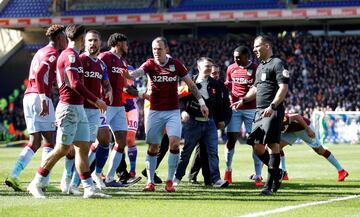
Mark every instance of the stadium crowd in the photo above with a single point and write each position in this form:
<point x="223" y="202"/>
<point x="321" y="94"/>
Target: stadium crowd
<point x="325" y="66"/>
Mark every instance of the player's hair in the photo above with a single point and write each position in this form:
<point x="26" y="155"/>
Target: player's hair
<point x="243" y="50"/>
<point x="93" y="31"/>
<point x="115" y="38"/>
<point x="201" y="59"/>
<point x="266" y="39"/>
<point x="74" y="31"/>
<point x="163" y="39"/>
<point x="54" y="30"/>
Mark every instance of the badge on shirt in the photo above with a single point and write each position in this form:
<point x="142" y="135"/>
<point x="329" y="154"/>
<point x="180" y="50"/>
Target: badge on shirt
<point x="172" y="68"/>
<point x="263" y="76"/>
<point x="249" y="72"/>
<point x="52" y="58"/>
<point x="72" y="58"/>
<point x="286" y="73"/>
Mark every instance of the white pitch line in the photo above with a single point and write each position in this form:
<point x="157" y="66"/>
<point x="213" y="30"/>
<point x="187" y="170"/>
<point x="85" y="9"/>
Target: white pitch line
<point x="287" y="208"/>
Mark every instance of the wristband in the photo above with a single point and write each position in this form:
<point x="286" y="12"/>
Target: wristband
<point x="42" y="96"/>
<point x="201" y="102"/>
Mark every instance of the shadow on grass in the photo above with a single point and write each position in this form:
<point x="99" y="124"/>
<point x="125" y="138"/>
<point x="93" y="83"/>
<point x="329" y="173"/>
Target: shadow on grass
<point x="238" y="191"/>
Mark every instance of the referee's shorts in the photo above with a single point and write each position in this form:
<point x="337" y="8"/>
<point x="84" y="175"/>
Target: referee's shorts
<point x="266" y="130"/>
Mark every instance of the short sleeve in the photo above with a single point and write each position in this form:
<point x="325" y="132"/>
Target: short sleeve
<point x="282" y="74"/>
<point x="146" y="66"/>
<point x="181" y="69"/>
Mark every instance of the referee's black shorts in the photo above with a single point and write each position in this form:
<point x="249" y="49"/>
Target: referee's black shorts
<point x="266" y="130"/>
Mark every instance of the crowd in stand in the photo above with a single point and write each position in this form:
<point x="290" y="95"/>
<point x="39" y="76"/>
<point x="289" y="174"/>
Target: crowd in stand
<point x="324" y="70"/>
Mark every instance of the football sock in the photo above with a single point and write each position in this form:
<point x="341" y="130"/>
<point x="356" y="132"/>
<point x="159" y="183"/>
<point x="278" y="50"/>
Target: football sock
<point x="132" y="153"/>
<point x="75" y="180"/>
<point x="86" y="179"/>
<point x="102" y="153"/>
<point x="282" y="159"/>
<point x="47" y="148"/>
<point x="331" y="158"/>
<point x="257" y="165"/>
<point x="115" y="158"/>
<point x="228" y="157"/>
<point x="25" y="156"/>
<point x="172" y="164"/>
<point x="265" y="158"/>
<point x="273" y="170"/>
<point x="69" y="165"/>
<point x="92" y="153"/>
<point x="41" y="175"/>
<point x="150" y="163"/>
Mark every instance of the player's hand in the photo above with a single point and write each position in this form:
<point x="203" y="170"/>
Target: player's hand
<point x="185" y="116"/>
<point x="205" y="111"/>
<point x="101" y="105"/>
<point x="221" y="125"/>
<point x="109" y="96"/>
<point x="146" y="96"/>
<point x="310" y="132"/>
<point x="236" y="105"/>
<point x="268" y="112"/>
<point x="44" y="108"/>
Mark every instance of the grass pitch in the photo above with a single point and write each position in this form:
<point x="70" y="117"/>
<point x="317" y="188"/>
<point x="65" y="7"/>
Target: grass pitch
<point x="312" y="179"/>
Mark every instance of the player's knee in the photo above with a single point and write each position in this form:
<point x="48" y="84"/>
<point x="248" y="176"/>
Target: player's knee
<point x="33" y="146"/>
<point x="153" y="149"/>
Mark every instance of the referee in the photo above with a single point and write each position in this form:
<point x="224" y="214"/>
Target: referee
<point x="271" y="86"/>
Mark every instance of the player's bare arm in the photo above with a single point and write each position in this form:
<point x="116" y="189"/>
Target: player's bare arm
<point x="134" y="73"/>
<point x="299" y="119"/>
<point x="195" y="91"/>
<point x="250" y="95"/>
<point x="108" y="90"/>
<point x="279" y="97"/>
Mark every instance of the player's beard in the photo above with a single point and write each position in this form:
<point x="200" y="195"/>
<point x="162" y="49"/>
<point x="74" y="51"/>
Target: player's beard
<point x="93" y="51"/>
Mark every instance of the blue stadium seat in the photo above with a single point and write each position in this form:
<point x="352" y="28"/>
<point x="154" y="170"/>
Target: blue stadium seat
<point x="27" y="8"/>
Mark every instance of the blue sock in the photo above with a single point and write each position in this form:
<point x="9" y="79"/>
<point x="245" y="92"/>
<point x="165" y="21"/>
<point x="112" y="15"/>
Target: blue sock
<point x="172" y="164"/>
<point x="115" y="159"/>
<point x="75" y="181"/>
<point x="132" y="153"/>
<point x="23" y="160"/>
<point x="102" y="153"/>
<point x="257" y="165"/>
<point x="150" y="163"/>
<point x="334" y="162"/>
<point x="91" y="156"/>
<point x="69" y="166"/>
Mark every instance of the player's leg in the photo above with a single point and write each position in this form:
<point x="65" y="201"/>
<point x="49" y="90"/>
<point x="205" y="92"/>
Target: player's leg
<point x="173" y="129"/>
<point x="155" y="126"/>
<point x="69" y="168"/>
<point x="118" y="125"/>
<point x="101" y="155"/>
<point x="283" y="159"/>
<point x="314" y="143"/>
<point x="93" y="116"/>
<point x="233" y="133"/>
<point x="133" y="118"/>
<point x="248" y="117"/>
<point x="23" y="160"/>
<point x="39" y="181"/>
<point x="35" y="125"/>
